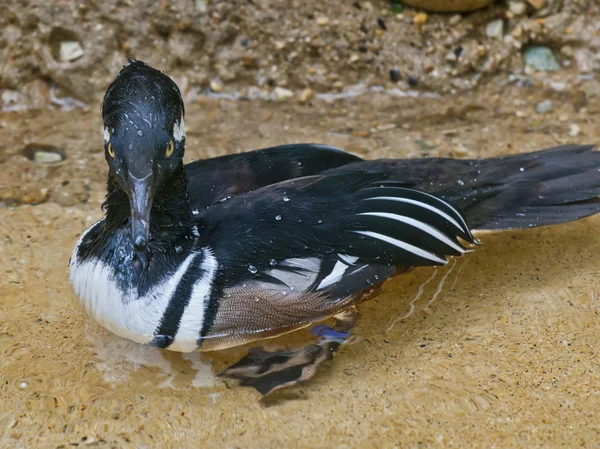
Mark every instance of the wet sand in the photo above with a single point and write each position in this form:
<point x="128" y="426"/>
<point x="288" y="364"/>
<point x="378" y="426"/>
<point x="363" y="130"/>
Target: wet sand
<point x="498" y="349"/>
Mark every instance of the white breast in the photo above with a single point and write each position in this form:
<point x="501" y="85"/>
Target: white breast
<point x="136" y="317"/>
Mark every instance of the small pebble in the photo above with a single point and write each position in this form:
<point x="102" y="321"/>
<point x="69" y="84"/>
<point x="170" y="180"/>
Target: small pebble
<point x="455" y="19"/>
<point x="305" y="95"/>
<point x="420" y="18"/>
<point x="70" y="51"/>
<point x="574" y="130"/>
<point x="282" y="93"/>
<point x="47" y="157"/>
<point x="322" y="21"/>
<point x="541" y="58"/>
<point x="543" y="107"/>
<point x="395" y="75"/>
<point x="201" y="5"/>
<point x="537" y="4"/>
<point x="517" y="8"/>
<point x="397" y="7"/>
<point x="495" y="29"/>
<point x="216" y="85"/>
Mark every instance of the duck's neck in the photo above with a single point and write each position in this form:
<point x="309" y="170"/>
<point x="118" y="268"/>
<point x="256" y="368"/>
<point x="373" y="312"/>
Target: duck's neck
<point x="170" y="215"/>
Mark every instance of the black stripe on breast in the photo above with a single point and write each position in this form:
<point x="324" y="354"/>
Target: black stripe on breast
<point x="212" y="308"/>
<point x="165" y="333"/>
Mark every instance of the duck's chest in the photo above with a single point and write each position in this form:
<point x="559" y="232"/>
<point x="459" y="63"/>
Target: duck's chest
<point x="163" y="305"/>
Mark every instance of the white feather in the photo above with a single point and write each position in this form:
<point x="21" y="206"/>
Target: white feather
<point x="419" y="225"/>
<point x="339" y="269"/>
<point x="441" y="213"/>
<point x="179" y="130"/>
<point x="403" y="245"/>
<point x="106" y="134"/>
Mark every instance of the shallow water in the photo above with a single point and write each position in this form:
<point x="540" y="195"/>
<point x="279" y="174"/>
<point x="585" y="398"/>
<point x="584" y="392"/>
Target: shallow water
<point x="499" y="348"/>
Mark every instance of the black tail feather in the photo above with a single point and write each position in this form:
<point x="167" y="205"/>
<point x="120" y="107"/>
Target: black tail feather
<point x="547" y="187"/>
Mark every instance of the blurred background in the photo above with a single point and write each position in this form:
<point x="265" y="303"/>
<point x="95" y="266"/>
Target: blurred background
<point x="296" y="48"/>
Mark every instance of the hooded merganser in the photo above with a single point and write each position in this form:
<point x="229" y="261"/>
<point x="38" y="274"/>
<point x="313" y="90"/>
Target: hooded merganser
<point x="221" y="252"/>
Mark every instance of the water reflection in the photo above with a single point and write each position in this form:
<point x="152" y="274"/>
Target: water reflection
<point x="118" y="359"/>
<point x="445" y="272"/>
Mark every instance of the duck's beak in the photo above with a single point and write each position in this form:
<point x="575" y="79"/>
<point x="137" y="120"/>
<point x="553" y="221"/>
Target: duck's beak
<point x="140" y="200"/>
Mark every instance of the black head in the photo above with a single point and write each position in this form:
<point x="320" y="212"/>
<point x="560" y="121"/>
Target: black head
<point x="144" y="138"/>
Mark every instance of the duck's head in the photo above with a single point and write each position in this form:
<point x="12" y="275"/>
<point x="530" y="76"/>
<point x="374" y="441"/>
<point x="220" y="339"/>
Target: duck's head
<point x="144" y="138"/>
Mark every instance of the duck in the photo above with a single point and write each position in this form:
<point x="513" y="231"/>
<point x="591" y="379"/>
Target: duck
<point x="227" y="251"/>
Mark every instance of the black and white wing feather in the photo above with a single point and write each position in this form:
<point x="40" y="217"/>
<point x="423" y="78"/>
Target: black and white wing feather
<point x="300" y="250"/>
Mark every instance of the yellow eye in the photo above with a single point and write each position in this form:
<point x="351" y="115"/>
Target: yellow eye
<point x="170" y="148"/>
<point x="111" y="152"/>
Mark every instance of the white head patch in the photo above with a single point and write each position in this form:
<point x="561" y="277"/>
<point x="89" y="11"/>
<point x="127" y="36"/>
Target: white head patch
<point x="179" y="130"/>
<point x="106" y="133"/>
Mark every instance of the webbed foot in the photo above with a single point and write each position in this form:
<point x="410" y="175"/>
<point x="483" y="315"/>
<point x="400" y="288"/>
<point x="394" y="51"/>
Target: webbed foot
<point x="270" y="371"/>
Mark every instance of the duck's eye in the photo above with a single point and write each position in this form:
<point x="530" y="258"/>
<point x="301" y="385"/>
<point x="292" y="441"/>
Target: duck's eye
<point x="111" y="152"/>
<point x="170" y="148"/>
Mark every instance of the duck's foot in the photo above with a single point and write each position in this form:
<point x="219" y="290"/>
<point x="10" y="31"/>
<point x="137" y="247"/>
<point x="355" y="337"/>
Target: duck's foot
<point x="269" y="371"/>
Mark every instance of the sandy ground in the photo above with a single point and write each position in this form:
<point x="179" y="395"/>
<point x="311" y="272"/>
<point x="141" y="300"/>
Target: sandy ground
<point x="498" y="349"/>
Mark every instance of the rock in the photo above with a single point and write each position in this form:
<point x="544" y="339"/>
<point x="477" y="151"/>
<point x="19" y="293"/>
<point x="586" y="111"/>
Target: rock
<point x="305" y="95"/>
<point x="541" y="58"/>
<point x="574" y="130"/>
<point x="495" y="29"/>
<point x="201" y="5"/>
<point x="395" y="75"/>
<point x="584" y="60"/>
<point x="455" y="19"/>
<point x="517" y="8"/>
<point x="322" y="21"/>
<point x="216" y="85"/>
<point x="550" y="7"/>
<point x="13" y="100"/>
<point x="420" y="18"/>
<point x="450" y="57"/>
<point x="448" y="5"/>
<point x="282" y="94"/>
<point x="47" y="157"/>
<point x="543" y="107"/>
<point x="397" y="7"/>
<point x="537" y="4"/>
<point x="70" y="51"/>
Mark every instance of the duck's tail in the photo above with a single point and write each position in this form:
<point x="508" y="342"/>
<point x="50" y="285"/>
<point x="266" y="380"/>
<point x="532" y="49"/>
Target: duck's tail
<point x="547" y="187"/>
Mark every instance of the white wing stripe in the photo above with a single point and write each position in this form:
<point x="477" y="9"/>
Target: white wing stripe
<point x="336" y="274"/>
<point x="460" y="216"/>
<point x="349" y="260"/>
<point x="339" y="269"/>
<point x="403" y="245"/>
<point x="420" y="225"/>
<point x="441" y="213"/>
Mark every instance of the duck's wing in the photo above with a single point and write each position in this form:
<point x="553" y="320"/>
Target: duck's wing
<point x="211" y="180"/>
<point x="299" y="251"/>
